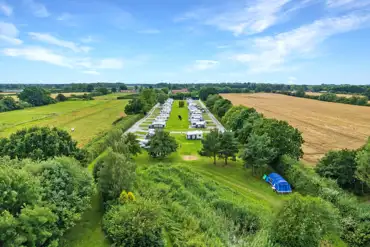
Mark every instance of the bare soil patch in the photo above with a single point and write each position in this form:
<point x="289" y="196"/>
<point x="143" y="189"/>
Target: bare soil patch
<point x="189" y="157"/>
<point x="325" y="126"/>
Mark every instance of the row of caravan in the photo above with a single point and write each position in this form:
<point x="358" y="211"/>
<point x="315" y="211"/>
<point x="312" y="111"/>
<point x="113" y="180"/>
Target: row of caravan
<point x="160" y="121"/>
<point x="196" y="115"/>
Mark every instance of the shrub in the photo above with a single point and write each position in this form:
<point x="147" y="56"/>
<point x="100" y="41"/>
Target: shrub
<point x="118" y="173"/>
<point x="131" y="196"/>
<point x="36" y="96"/>
<point x="123" y="197"/>
<point x="61" y="97"/>
<point x="304" y="221"/>
<point x="41" y="143"/>
<point x="134" y="224"/>
<point x="181" y="103"/>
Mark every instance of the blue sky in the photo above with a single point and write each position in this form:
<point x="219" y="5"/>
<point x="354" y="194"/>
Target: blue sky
<point x="137" y="41"/>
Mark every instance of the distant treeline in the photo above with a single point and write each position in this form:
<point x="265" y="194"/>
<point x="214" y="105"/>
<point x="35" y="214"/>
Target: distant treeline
<point x="65" y="88"/>
<point x="235" y="87"/>
<point x="331" y="97"/>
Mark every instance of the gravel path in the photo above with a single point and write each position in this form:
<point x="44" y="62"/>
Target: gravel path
<point x="136" y="126"/>
<point x="220" y="127"/>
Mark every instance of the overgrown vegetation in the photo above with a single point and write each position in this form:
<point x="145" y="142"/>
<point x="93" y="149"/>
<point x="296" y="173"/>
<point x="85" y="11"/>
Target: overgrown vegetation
<point x="40" y="201"/>
<point x="40" y="143"/>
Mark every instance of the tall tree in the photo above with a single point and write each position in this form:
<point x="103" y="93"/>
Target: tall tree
<point x="258" y="152"/>
<point x="162" y="144"/>
<point x="134" y="106"/>
<point x="340" y="166"/>
<point x="228" y="146"/>
<point x="90" y="88"/>
<point x="285" y="139"/>
<point x="36" y="96"/>
<point x="114" y="90"/>
<point x="162" y="97"/>
<point x="117" y="173"/>
<point x="211" y="145"/>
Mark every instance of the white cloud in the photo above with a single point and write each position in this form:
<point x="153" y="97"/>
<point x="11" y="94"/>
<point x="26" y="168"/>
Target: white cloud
<point x="47" y="38"/>
<point x="149" y="31"/>
<point x="247" y="18"/>
<point x="91" y="72"/>
<point x="110" y="63"/>
<point x="6" y="9"/>
<point x="38" y="54"/>
<point x="272" y="52"/>
<point x="204" y="64"/>
<point x="38" y="9"/>
<point x="64" y="17"/>
<point x="9" y="33"/>
<point x="347" y="4"/>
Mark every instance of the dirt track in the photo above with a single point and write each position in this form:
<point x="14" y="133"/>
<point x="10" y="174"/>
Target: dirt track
<point x="324" y="125"/>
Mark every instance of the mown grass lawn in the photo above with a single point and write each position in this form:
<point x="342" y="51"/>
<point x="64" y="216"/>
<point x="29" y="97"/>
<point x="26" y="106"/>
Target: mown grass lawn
<point x="173" y="122"/>
<point x="89" y="118"/>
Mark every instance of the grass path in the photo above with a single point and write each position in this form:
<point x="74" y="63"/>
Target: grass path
<point x="173" y="122"/>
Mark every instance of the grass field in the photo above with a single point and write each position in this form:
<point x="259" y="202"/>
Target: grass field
<point x="173" y="122"/>
<point x="325" y="125"/>
<point x="89" y="118"/>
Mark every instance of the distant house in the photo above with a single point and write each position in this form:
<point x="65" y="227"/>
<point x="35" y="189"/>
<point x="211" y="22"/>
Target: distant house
<point x="128" y="91"/>
<point x="184" y="90"/>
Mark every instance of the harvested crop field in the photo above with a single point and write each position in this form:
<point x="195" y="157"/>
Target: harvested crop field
<point x="324" y="125"/>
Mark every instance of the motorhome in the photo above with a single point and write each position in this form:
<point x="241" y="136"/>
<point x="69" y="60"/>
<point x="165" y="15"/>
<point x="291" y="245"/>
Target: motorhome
<point x="157" y="125"/>
<point x="198" y="124"/>
<point x="194" y="135"/>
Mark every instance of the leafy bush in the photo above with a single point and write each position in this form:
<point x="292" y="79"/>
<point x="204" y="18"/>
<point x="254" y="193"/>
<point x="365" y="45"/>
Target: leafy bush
<point x="40" y="143"/>
<point x="67" y="189"/>
<point x="304" y="221"/>
<point x="117" y="173"/>
<point x="61" y="97"/>
<point x="181" y="103"/>
<point x="134" y="224"/>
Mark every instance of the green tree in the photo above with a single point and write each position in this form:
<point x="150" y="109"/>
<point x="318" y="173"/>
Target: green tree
<point x="134" y="224"/>
<point x="128" y="144"/>
<point x="204" y="92"/>
<point x="228" y="146"/>
<point x="162" y="144"/>
<point x="113" y="90"/>
<point x="149" y="97"/>
<point x="165" y="90"/>
<point x="162" y="97"/>
<point x="117" y="173"/>
<point x="221" y="106"/>
<point x="36" y="96"/>
<point x="90" y="88"/>
<point x="253" y="121"/>
<point x="61" y="97"/>
<point x="181" y="103"/>
<point x="103" y="90"/>
<point x="211" y="100"/>
<point x="18" y="188"/>
<point x="8" y="104"/>
<point x="300" y="93"/>
<point x="258" y="152"/>
<point x="363" y="166"/>
<point x="231" y="116"/>
<point x="123" y="87"/>
<point x="285" y="139"/>
<point x="210" y="145"/>
<point x="135" y="106"/>
<point x="67" y="189"/>
<point x="340" y="166"/>
<point x="41" y="143"/>
<point x="304" y="221"/>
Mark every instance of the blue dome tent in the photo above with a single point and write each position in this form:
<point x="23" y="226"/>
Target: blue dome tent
<point x="280" y="184"/>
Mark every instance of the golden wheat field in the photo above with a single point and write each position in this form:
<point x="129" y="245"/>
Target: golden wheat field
<point x="324" y="125"/>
